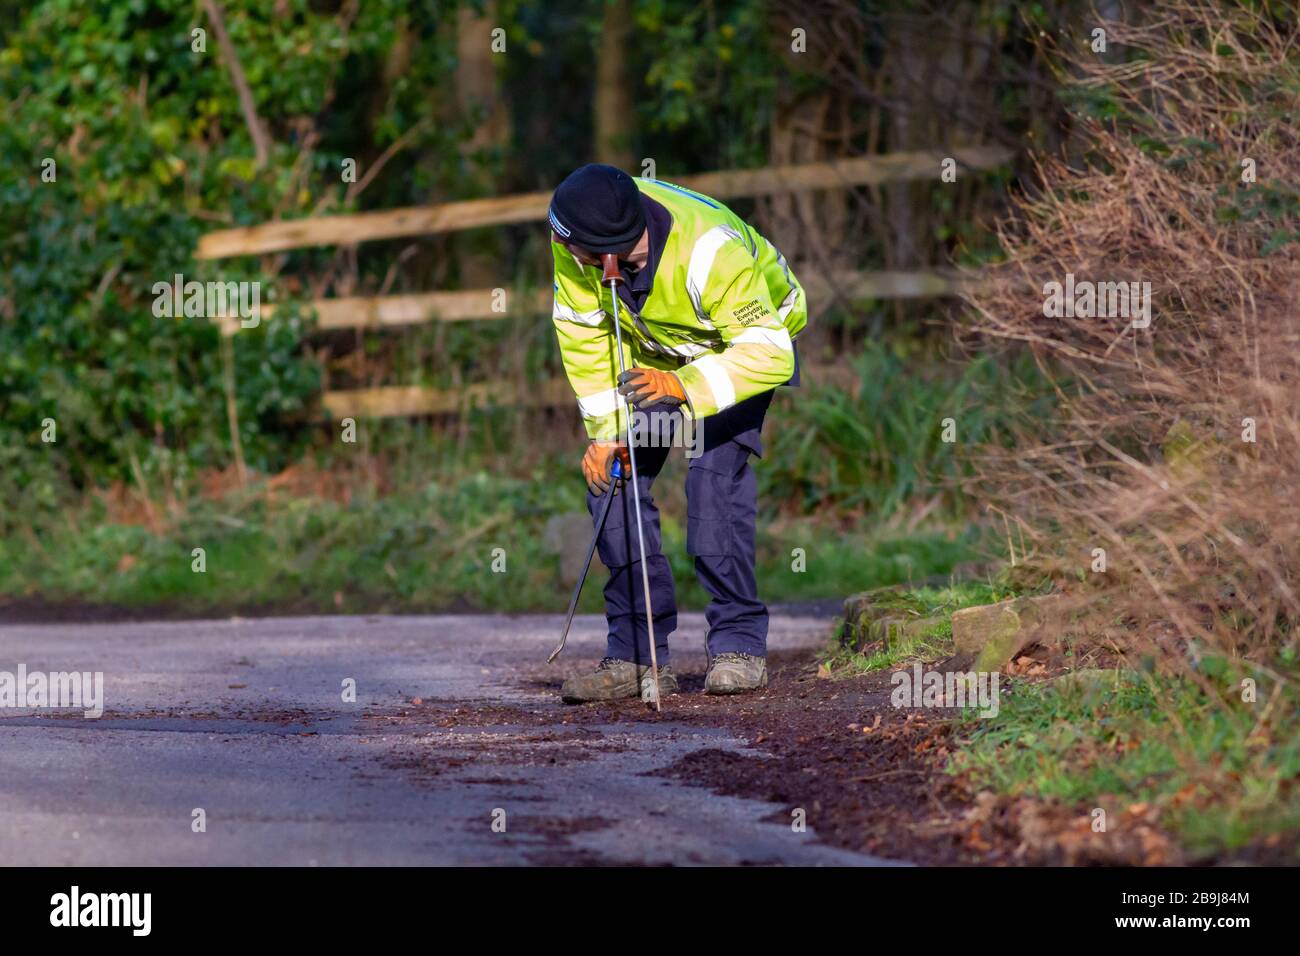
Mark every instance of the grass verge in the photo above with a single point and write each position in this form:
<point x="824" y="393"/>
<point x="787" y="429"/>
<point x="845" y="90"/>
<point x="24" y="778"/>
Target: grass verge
<point x="1218" y="779"/>
<point x="1210" y="755"/>
<point x="478" y="542"/>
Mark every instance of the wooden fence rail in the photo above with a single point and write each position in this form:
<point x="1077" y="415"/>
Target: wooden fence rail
<point x="389" y="401"/>
<point x="531" y="207"/>
<point x="392" y="401"/>
<point x="396" y="311"/>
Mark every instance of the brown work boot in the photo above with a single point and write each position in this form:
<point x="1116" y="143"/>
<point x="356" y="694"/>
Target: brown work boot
<point x="615" y="679"/>
<point x="734" y="673"/>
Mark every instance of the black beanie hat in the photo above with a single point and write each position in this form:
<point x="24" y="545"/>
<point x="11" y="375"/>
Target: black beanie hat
<point x="598" y="208"/>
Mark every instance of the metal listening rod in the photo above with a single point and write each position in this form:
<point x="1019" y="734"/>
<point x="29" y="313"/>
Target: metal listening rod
<point x="612" y="278"/>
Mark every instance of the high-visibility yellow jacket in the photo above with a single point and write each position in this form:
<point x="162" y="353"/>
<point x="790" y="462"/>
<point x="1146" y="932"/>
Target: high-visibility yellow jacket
<point x="722" y="313"/>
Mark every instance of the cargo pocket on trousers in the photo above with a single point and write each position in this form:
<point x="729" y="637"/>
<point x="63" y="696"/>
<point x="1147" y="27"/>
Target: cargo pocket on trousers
<point x="710" y="485"/>
<point x="615" y="545"/>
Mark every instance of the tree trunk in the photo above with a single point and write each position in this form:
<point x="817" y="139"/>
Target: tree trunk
<point x="478" y="97"/>
<point x="613" y="117"/>
<point x="477" y="88"/>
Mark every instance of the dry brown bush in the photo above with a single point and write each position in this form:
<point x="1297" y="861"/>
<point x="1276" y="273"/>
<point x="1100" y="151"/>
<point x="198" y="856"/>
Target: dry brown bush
<point x="1146" y="457"/>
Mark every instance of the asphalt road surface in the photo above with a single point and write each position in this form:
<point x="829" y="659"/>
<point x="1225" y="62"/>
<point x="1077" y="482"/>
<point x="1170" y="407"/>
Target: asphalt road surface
<point x="242" y="726"/>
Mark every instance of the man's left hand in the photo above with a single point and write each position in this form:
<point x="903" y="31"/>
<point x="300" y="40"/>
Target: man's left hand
<point x="644" y="387"/>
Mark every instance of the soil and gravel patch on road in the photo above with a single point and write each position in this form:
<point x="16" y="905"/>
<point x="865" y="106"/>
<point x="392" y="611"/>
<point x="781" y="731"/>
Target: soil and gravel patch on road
<point x="868" y="777"/>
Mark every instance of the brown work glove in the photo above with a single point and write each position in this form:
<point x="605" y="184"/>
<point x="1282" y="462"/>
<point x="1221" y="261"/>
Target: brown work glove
<point x="597" y="461"/>
<point x="644" y="387"/>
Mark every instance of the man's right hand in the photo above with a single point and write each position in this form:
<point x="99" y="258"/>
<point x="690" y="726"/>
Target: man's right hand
<point x="598" y="460"/>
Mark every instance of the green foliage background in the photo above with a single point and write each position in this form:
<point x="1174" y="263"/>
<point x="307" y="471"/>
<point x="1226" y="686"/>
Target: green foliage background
<point x="151" y="149"/>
